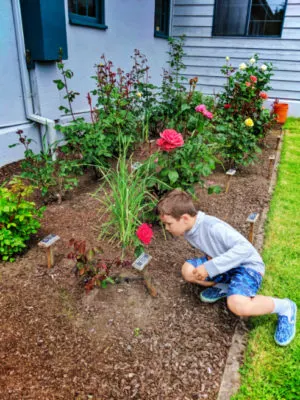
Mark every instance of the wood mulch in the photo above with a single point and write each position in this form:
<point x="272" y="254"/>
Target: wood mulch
<point x="119" y="343"/>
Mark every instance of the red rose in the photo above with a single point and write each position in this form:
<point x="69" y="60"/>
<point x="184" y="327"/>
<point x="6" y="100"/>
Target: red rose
<point x="144" y="233"/>
<point x="263" y="95"/>
<point x="253" y="79"/>
<point x="170" y="140"/>
<point x="227" y="105"/>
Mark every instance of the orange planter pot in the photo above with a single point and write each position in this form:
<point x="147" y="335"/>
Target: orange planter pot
<point x="281" y="110"/>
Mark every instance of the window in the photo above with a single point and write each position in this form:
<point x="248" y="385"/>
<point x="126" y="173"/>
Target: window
<point x="248" y="17"/>
<point x="161" y="19"/>
<point x="87" y="12"/>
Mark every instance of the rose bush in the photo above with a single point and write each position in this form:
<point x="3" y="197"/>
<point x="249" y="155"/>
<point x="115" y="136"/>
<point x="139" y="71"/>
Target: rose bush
<point x="240" y="120"/>
<point x="185" y="166"/>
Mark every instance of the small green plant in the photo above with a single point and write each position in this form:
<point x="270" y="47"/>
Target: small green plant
<point x="90" y="266"/>
<point x="137" y="332"/>
<point x="19" y="218"/>
<point x="172" y="89"/>
<point x="63" y="84"/>
<point x="52" y="177"/>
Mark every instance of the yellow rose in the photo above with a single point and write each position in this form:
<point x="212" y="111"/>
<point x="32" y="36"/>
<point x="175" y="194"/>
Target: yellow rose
<point x="263" y="67"/>
<point x="139" y="94"/>
<point x="227" y="58"/>
<point x="249" y="122"/>
<point x="242" y="66"/>
<point x="252" y="60"/>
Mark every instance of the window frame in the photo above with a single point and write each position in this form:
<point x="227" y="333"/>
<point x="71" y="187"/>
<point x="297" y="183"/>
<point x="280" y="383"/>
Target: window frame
<point x="93" y="22"/>
<point x="247" y="24"/>
<point x="166" y="33"/>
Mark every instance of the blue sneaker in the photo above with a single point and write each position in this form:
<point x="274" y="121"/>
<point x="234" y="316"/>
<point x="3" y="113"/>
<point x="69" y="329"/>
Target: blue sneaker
<point x="286" y="327"/>
<point x="212" y="294"/>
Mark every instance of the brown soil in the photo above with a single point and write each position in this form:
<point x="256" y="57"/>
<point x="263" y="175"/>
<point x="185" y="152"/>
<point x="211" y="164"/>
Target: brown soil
<point x="56" y="342"/>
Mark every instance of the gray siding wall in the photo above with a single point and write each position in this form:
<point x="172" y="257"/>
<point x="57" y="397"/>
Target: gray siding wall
<point x="204" y="54"/>
<point x="130" y="26"/>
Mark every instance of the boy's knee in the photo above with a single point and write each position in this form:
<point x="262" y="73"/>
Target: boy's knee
<point x="238" y="304"/>
<point x="187" y="272"/>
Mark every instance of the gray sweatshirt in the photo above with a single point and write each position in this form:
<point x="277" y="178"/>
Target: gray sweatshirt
<point x="227" y="247"/>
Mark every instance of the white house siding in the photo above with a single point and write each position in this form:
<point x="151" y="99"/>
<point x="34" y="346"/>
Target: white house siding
<point x="205" y="54"/>
<point x="12" y="111"/>
<point x="130" y="26"/>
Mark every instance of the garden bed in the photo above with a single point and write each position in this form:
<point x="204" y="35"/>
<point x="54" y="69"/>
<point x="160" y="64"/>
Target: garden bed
<point x="56" y="342"/>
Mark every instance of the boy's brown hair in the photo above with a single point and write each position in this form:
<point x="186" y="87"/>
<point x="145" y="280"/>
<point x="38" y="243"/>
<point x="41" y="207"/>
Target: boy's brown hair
<point x="175" y="204"/>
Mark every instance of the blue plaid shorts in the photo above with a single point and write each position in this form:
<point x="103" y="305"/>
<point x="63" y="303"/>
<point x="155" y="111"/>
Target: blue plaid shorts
<point x="240" y="280"/>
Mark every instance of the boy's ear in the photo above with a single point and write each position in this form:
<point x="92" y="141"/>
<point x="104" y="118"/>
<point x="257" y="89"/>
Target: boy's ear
<point x="185" y="217"/>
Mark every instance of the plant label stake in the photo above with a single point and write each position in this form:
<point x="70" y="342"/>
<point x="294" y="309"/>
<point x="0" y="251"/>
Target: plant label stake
<point x="277" y="142"/>
<point x="140" y="264"/>
<point x="229" y="173"/>
<point x="252" y="218"/>
<point x="136" y="166"/>
<point x="151" y="142"/>
<point x="271" y="164"/>
<point x="47" y="244"/>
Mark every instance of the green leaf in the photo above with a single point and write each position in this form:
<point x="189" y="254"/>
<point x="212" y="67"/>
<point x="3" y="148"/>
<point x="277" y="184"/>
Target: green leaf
<point x="214" y="189"/>
<point x="173" y="176"/>
<point x="60" y="85"/>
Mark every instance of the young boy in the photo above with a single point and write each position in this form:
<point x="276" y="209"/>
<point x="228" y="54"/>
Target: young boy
<point x="232" y="267"/>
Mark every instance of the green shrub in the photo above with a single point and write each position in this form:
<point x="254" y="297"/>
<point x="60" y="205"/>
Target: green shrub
<point x="19" y="218"/>
<point x="87" y="142"/>
<point x="52" y="177"/>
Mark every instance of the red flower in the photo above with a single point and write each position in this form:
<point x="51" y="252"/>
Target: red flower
<point x="263" y="95"/>
<point x="145" y="233"/>
<point x="253" y="79"/>
<point x="170" y="140"/>
<point x="227" y="105"/>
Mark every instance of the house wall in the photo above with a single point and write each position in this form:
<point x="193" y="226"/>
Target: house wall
<point x="130" y="26"/>
<point x="204" y="54"/>
<point x="12" y="109"/>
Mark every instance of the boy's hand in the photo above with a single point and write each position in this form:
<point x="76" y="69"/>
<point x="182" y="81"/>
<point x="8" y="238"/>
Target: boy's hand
<point x="200" y="273"/>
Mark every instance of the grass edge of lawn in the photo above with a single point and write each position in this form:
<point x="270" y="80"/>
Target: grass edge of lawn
<point x="270" y="372"/>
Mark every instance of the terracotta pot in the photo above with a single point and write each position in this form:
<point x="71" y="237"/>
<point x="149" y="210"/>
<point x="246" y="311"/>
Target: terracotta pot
<point x="281" y="110"/>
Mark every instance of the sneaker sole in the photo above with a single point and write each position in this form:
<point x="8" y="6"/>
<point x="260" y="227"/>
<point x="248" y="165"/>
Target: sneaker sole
<point x="294" y="334"/>
<point x="207" y="300"/>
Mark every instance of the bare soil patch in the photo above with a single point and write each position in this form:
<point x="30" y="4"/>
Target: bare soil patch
<point x="56" y="342"/>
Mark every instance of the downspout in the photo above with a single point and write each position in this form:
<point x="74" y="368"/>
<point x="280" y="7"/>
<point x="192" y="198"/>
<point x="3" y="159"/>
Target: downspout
<point x="25" y="81"/>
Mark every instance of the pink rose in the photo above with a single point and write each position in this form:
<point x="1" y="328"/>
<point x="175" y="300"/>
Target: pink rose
<point x="253" y="79"/>
<point x="248" y="84"/>
<point x="208" y="114"/>
<point x="263" y="95"/>
<point x="170" y="140"/>
<point x="201" y="108"/>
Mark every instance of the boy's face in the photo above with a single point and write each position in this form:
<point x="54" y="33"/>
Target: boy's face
<point x="175" y="226"/>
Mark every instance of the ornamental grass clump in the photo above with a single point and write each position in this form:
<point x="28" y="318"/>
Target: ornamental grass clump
<point x="125" y="200"/>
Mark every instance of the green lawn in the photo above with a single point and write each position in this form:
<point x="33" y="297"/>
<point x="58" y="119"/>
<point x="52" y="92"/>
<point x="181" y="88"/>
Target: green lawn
<point x="271" y="372"/>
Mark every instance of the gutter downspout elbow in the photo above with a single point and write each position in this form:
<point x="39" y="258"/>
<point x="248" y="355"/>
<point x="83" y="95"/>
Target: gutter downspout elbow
<point x="50" y="130"/>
